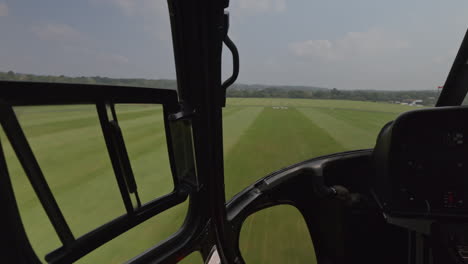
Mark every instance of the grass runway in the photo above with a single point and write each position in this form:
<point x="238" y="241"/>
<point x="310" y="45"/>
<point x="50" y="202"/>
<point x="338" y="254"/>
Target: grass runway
<point x="258" y="140"/>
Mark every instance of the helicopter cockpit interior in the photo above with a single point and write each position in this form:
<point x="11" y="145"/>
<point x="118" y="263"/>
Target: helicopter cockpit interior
<point x="403" y="201"/>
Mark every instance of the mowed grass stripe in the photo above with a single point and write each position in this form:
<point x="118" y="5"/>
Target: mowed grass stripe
<point x="72" y="159"/>
<point x="258" y="140"/>
<point x="236" y="123"/>
<point x="277" y="138"/>
<point x="321" y="103"/>
<point x="276" y="235"/>
<point x="227" y="111"/>
<point x="65" y="122"/>
<point x="64" y="156"/>
<point x="155" y="229"/>
<point x="85" y="185"/>
<point x="354" y="129"/>
<point x="348" y="135"/>
<point x="371" y="121"/>
<point x="88" y="133"/>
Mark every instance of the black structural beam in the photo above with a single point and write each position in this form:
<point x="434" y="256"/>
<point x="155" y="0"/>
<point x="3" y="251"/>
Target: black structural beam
<point x="37" y="93"/>
<point x="456" y="85"/>
<point x="30" y="165"/>
<point x="13" y="238"/>
<point x="198" y="29"/>
<point x="34" y="93"/>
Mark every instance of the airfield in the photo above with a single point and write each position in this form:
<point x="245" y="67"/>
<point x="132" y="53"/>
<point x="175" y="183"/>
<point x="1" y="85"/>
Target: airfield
<point x="261" y="135"/>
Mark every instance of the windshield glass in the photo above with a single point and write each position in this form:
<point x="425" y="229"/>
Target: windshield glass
<point x="93" y="41"/>
<point x="318" y="78"/>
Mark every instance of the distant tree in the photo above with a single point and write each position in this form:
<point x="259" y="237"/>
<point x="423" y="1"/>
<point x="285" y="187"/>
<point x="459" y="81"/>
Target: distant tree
<point x="297" y="94"/>
<point x="429" y="97"/>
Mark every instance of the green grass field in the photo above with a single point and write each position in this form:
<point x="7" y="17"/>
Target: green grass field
<point x="258" y="140"/>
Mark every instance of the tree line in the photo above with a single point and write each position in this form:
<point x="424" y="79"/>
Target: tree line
<point x="428" y="97"/>
<point x="161" y="83"/>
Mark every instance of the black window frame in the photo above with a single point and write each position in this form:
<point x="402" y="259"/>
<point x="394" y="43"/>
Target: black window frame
<point x="104" y="97"/>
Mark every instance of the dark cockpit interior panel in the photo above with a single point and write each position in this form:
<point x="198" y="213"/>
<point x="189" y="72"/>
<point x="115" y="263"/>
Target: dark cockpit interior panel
<point x="421" y="162"/>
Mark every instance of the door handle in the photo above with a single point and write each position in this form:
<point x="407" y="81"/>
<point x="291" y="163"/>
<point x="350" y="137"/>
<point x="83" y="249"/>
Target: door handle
<point x="235" y="57"/>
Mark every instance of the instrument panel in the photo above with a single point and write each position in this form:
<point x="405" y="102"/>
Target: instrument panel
<point x="421" y="162"/>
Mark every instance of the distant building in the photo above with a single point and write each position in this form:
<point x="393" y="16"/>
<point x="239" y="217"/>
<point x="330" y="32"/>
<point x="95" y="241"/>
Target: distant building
<point x="412" y="102"/>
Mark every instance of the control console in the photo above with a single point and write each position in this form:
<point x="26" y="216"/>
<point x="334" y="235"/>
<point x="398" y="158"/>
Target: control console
<point x="421" y="162"/>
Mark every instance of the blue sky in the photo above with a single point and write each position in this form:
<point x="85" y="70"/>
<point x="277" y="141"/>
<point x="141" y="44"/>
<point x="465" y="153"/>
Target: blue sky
<point x="359" y="44"/>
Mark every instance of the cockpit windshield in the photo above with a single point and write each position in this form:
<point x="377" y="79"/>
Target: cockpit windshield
<point x="316" y="78"/>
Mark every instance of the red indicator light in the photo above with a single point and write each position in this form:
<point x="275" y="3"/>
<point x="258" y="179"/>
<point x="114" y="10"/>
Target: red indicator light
<point x="451" y="198"/>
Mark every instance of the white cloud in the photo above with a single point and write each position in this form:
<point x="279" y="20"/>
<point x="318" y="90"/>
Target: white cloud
<point x="447" y="57"/>
<point x="115" y="58"/>
<point x="255" y="6"/>
<point x="72" y="41"/>
<point x="152" y="8"/>
<point x="59" y="33"/>
<point x="364" y="44"/>
<point x="127" y="6"/>
<point x="279" y="5"/>
<point x="314" y="48"/>
<point x="3" y="9"/>
<point x="154" y="15"/>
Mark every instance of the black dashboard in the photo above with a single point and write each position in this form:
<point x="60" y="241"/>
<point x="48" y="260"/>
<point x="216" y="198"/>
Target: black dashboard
<point x="421" y="163"/>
